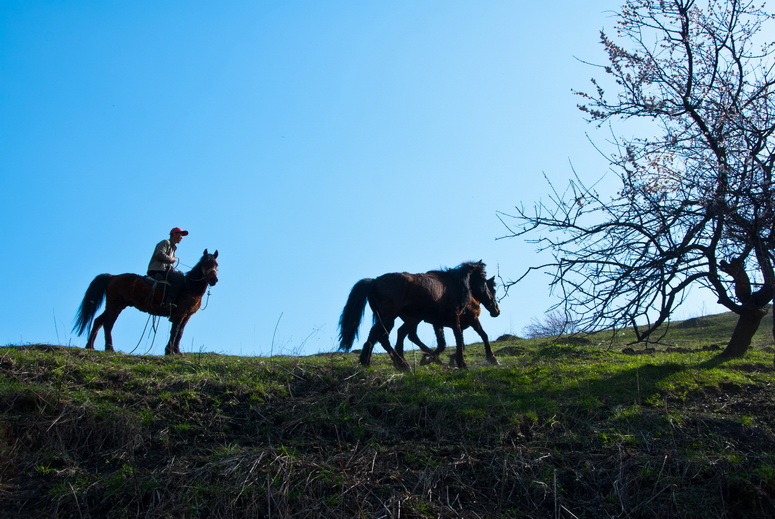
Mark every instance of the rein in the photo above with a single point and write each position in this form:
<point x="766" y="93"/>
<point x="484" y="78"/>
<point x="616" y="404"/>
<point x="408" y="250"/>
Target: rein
<point x="205" y="275"/>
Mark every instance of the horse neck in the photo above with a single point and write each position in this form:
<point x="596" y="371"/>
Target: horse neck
<point x="197" y="286"/>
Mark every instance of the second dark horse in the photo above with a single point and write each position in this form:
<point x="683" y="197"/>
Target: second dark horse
<point x="469" y="318"/>
<point x="438" y="297"/>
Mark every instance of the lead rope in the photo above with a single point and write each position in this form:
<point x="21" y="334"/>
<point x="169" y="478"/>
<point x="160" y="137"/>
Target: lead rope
<point x="207" y="302"/>
<point x="154" y="329"/>
<point x="155" y="319"/>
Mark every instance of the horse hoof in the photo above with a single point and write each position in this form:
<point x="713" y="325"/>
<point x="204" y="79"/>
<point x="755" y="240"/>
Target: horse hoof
<point x="493" y="361"/>
<point x="404" y="366"/>
<point x="429" y="359"/>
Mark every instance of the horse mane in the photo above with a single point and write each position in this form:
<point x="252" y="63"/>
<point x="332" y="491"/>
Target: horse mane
<point x="197" y="264"/>
<point x="463" y="270"/>
<point x="461" y="276"/>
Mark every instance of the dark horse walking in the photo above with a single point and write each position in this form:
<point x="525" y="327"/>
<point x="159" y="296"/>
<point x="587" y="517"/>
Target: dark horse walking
<point x="437" y="297"/>
<point x="469" y="318"/>
<point x="138" y="291"/>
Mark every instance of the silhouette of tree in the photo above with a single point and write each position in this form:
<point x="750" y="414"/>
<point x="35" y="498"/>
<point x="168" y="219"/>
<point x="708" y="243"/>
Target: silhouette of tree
<point x="695" y="207"/>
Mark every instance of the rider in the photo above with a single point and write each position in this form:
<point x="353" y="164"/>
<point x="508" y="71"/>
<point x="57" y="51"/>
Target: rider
<point x="162" y="265"/>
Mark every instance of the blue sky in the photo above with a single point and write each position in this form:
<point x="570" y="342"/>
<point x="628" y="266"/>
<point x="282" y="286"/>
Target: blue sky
<point x="313" y="143"/>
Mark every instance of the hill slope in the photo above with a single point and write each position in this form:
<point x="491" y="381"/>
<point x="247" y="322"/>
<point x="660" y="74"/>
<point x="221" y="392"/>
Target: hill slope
<point x="556" y="430"/>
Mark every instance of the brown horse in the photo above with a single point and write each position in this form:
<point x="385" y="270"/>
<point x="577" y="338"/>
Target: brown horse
<point x="469" y="318"/>
<point x="139" y="291"/>
<point x="439" y="297"/>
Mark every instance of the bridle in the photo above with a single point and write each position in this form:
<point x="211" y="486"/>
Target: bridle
<point x="488" y="295"/>
<point x="206" y="273"/>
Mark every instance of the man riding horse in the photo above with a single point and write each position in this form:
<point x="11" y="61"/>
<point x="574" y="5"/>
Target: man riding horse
<point x="162" y="265"/>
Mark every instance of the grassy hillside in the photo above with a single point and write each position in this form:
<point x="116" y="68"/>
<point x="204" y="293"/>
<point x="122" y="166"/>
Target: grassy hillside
<point x="565" y="428"/>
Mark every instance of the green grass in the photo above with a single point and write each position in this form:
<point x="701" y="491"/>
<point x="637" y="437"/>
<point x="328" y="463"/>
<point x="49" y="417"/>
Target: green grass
<point x="561" y="428"/>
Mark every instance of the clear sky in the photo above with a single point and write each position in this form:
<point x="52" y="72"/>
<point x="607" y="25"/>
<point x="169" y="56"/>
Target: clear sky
<point x="312" y="143"/>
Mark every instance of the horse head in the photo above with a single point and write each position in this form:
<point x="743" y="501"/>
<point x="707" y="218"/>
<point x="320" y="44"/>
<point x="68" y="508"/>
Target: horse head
<point x="209" y="267"/>
<point x="483" y="289"/>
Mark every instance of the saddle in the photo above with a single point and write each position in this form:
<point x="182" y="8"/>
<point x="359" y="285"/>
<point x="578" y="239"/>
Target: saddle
<point x="157" y="283"/>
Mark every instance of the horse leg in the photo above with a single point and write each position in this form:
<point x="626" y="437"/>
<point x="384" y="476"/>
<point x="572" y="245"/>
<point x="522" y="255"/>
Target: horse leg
<point x="365" y="357"/>
<point x="415" y="339"/>
<point x="461" y="363"/>
<point x="410" y="328"/>
<point x="176" y="332"/>
<point x="430" y="354"/>
<point x="476" y="325"/>
<point x="94" y="331"/>
<point x="402" y="331"/>
<point x="110" y="317"/>
<point x="441" y="341"/>
<point x="368" y="347"/>
<point x="381" y="332"/>
<point x="398" y="361"/>
<point x="179" y="336"/>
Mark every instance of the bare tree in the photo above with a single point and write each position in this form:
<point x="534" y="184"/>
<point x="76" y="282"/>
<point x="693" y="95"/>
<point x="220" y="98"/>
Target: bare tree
<point x="695" y="207"/>
<point x="554" y="324"/>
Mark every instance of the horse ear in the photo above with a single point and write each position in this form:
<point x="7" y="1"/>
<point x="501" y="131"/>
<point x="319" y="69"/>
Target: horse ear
<point x="215" y="254"/>
<point x="205" y="253"/>
<point x="492" y="279"/>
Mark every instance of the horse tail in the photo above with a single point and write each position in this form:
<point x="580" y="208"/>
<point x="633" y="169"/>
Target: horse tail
<point x="92" y="301"/>
<point x="353" y="313"/>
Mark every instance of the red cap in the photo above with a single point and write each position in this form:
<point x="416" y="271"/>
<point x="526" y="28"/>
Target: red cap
<point x="179" y="230"/>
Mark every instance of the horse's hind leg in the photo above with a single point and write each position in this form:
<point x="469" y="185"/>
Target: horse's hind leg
<point x="381" y="332"/>
<point x="409" y="329"/>
<point x="95" y="328"/>
<point x="110" y="320"/>
<point x="365" y="357"/>
<point x="398" y="361"/>
<point x="430" y="355"/>
<point x="402" y="331"/>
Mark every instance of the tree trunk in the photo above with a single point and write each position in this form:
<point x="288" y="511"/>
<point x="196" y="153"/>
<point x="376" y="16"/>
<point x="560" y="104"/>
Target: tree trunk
<point x="746" y="327"/>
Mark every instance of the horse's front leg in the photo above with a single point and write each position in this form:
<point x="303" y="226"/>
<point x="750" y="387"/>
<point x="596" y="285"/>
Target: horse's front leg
<point x="476" y="325"/>
<point x="461" y="363"/>
<point x="178" y="325"/>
